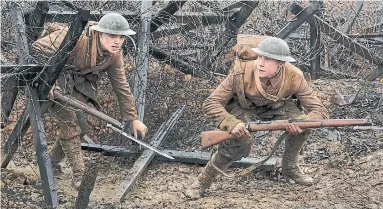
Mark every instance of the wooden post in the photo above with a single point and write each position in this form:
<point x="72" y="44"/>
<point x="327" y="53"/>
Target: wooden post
<point x="164" y="15"/>
<point x="315" y="44"/>
<point x="141" y="73"/>
<point x="43" y="159"/>
<point x="143" y="161"/>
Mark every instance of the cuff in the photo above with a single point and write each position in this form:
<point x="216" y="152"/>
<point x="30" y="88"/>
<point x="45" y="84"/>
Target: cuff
<point x="229" y="123"/>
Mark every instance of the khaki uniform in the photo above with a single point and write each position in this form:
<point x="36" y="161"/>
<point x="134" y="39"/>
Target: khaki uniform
<point x="85" y="63"/>
<point x="244" y="96"/>
<point x="80" y="81"/>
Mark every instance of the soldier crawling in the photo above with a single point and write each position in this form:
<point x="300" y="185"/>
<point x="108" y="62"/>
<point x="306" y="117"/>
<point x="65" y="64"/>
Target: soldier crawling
<point x="253" y="91"/>
<point x="97" y="50"/>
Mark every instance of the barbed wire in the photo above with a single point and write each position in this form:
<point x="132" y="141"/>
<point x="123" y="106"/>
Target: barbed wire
<point x="191" y="38"/>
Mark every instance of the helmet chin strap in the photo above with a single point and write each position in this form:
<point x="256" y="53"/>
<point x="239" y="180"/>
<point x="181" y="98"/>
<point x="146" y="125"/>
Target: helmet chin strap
<point x="134" y="44"/>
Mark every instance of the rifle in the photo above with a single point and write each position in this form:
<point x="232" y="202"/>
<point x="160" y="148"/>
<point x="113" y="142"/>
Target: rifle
<point x="210" y="138"/>
<point x="113" y="123"/>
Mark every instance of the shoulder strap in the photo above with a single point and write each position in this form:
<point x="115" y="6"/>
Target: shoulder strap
<point x="238" y="72"/>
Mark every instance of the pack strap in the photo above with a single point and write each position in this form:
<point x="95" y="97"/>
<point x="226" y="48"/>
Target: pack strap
<point x="238" y="80"/>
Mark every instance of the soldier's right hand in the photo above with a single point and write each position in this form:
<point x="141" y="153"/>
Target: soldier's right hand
<point x="240" y="131"/>
<point x="50" y="94"/>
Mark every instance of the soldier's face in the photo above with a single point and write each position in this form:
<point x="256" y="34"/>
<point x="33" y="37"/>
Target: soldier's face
<point x="267" y="67"/>
<point x="111" y="42"/>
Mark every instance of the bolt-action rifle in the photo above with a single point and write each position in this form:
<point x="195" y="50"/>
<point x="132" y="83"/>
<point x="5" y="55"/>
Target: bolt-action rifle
<point x="210" y="138"/>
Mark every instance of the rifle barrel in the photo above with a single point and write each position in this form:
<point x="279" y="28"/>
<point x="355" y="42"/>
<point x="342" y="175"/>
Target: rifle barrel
<point x="281" y="124"/>
<point x="80" y="105"/>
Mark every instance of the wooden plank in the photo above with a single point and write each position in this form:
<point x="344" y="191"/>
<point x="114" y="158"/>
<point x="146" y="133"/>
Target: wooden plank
<point x="43" y="159"/>
<point x="200" y="157"/>
<point x="175" y="62"/>
<point x="141" y="72"/>
<point x="111" y="150"/>
<point x="9" y="90"/>
<point x="143" y="161"/>
<point x="183" y="27"/>
<point x="13" y="141"/>
<point x="300" y="18"/>
<point x="193" y="157"/>
<point x="164" y="15"/>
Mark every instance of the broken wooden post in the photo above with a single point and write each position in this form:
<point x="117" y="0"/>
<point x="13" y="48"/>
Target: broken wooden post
<point x="163" y="16"/>
<point x="343" y="39"/>
<point x="231" y="30"/>
<point x="43" y="159"/>
<point x="54" y="69"/>
<point x="141" y="73"/>
<point x="143" y="161"/>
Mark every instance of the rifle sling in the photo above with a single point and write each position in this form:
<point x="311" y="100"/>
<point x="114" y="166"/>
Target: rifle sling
<point x="251" y="168"/>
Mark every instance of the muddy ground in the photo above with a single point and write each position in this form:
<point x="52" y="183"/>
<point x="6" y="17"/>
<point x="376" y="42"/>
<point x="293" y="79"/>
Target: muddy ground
<point x="346" y="164"/>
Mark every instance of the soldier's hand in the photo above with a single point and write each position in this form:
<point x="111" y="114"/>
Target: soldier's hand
<point x="293" y="129"/>
<point x="139" y="127"/>
<point x="240" y="131"/>
<point x="50" y="94"/>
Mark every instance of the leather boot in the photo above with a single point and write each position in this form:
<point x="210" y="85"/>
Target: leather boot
<point x="72" y="149"/>
<point x="290" y="168"/>
<point x="57" y="155"/>
<point x="207" y="176"/>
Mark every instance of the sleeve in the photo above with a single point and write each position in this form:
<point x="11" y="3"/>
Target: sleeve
<point x="214" y="105"/>
<point x="117" y="77"/>
<point x="309" y="100"/>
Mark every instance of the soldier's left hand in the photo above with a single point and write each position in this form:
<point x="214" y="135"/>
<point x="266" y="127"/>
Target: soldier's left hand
<point x="293" y="129"/>
<point x="138" y="126"/>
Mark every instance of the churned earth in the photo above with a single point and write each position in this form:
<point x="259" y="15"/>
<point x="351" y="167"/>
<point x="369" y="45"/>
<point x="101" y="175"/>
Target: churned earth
<point x="347" y="164"/>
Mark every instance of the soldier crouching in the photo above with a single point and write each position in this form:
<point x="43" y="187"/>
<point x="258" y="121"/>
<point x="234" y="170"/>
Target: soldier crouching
<point x="260" y="89"/>
<point x="97" y="50"/>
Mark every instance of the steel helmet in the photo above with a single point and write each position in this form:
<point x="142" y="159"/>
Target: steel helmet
<point x="274" y="48"/>
<point x="113" y="23"/>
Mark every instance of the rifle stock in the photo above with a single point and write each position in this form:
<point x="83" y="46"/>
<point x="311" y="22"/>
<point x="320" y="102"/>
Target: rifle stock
<point x="210" y="138"/>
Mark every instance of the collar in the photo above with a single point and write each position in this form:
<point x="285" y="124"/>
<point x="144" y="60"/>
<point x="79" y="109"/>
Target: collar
<point x="276" y="79"/>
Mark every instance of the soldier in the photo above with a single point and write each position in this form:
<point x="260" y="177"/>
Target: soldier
<point x="97" y="50"/>
<point x="259" y="89"/>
